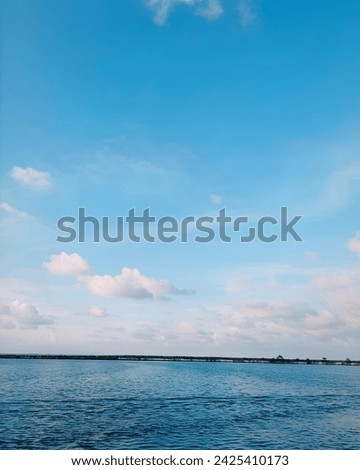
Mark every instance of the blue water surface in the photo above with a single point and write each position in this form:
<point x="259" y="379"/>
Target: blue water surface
<point x="80" y="404"/>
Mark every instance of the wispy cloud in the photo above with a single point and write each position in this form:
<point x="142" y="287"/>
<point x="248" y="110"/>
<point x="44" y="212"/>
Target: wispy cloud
<point x="163" y="8"/>
<point x="339" y="190"/>
<point x="311" y="255"/>
<point x="134" y="175"/>
<point x="212" y="9"/>
<point x="354" y="243"/>
<point x="247" y="13"/>
<point x="96" y="311"/>
<point x="216" y="199"/>
<point x="209" y="9"/>
<point x="32" y="178"/>
<point x="332" y="193"/>
<point x="341" y="294"/>
<point x="13" y="211"/>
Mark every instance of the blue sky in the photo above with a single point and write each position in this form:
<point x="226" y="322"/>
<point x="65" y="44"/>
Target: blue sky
<point x="185" y="107"/>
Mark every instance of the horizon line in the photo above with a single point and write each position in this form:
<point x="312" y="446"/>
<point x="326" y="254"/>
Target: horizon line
<point x="182" y="358"/>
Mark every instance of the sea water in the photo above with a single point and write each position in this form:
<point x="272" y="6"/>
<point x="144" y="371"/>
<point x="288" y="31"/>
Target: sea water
<point x="83" y="404"/>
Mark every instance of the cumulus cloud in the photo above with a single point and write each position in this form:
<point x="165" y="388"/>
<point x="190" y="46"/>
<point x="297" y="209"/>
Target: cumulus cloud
<point x="32" y="178"/>
<point x="131" y="283"/>
<point x="22" y="315"/>
<point x="12" y="210"/>
<point x="354" y="243"/>
<point x="67" y="265"/>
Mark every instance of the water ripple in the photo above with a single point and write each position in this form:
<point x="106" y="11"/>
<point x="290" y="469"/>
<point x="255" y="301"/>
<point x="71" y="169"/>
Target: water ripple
<point x="115" y="405"/>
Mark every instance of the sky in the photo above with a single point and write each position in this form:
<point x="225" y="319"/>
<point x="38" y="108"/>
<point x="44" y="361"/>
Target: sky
<point x="184" y="107"/>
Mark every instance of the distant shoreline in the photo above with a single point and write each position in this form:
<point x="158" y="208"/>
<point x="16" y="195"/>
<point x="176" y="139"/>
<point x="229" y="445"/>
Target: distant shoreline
<point x="157" y="358"/>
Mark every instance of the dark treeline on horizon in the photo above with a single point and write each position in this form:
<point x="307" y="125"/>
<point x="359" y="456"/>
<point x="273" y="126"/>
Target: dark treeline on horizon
<point x="260" y="360"/>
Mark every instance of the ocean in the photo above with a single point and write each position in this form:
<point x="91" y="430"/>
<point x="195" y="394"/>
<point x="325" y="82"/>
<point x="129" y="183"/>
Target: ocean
<point x="81" y="404"/>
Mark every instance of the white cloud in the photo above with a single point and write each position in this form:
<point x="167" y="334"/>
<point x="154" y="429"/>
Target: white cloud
<point x="333" y="281"/>
<point x="212" y="10"/>
<point x="67" y="265"/>
<point x="23" y="315"/>
<point x="354" y="243"/>
<point x="32" y="178"/>
<point x="6" y="322"/>
<point x="324" y="306"/>
<point x="96" y="311"/>
<point x="131" y="283"/>
<point x="319" y="321"/>
<point x="132" y="173"/>
<point x="287" y="323"/>
<point x="341" y="295"/>
<point x="234" y="285"/>
<point x="247" y="14"/>
<point x="246" y="313"/>
<point x="311" y="255"/>
<point x="216" y="199"/>
<point x="186" y="328"/>
<point x="149" y="335"/>
<point x="163" y="8"/>
<point x="209" y="9"/>
<point x="12" y="210"/>
<point x="339" y="191"/>
<point x="332" y="310"/>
